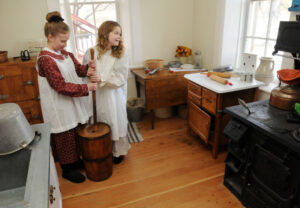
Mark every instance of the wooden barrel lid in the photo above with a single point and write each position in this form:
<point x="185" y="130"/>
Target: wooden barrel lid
<point x="94" y="131"/>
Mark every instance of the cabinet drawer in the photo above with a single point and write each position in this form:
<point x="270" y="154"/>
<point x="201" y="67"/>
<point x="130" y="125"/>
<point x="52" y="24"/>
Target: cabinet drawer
<point x="32" y="111"/>
<point x="196" y="89"/>
<point x="199" y="121"/>
<point x="209" y="100"/>
<point x="196" y="99"/>
<point x="17" y="83"/>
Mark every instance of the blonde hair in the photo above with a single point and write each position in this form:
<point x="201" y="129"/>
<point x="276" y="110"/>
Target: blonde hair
<point x="102" y="41"/>
<point x="55" y="24"/>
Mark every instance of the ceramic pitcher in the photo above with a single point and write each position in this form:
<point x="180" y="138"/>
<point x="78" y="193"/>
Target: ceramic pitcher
<point x="264" y="72"/>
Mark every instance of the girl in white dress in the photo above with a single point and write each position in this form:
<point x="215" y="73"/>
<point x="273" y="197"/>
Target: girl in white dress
<point x="112" y="72"/>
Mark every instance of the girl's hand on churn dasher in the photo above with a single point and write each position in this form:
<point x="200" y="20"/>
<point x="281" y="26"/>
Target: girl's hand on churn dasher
<point x="91" y="71"/>
<point x="92" y="86"/>
<point x="95" y="78"/>
<point x="92" y="64"/>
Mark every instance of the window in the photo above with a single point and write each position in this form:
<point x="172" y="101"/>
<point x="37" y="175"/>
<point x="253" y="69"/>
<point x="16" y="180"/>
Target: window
<point x="262" y="27"/>
<point x="87" y="16"/>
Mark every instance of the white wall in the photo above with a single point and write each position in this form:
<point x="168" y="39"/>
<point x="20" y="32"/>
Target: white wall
<point x="157" y="27"/>
<point x="21" y="21"/>
<point x="204" y="30"/>
<point x="162" y="25"/>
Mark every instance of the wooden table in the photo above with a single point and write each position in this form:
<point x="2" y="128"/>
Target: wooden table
<point x="207" y="101"/>
<point x="162" y="89"/>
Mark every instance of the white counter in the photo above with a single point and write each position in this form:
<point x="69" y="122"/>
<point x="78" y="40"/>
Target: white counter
<point x="212" y="85"/>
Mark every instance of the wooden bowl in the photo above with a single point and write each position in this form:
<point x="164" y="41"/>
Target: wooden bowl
<point x="154" y="63"/>
<point x="3" y="56"/>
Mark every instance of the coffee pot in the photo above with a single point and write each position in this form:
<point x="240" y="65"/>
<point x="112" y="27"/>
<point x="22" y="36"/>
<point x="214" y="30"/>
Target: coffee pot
<point x="264" y="72"/>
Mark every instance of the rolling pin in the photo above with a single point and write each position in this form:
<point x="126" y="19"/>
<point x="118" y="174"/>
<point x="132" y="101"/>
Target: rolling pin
<point x="221" y="74"/>
<point x="219" y="79"/>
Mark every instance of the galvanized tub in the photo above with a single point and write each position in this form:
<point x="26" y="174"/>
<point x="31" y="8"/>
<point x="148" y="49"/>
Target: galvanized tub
<point x="15" y="131"/>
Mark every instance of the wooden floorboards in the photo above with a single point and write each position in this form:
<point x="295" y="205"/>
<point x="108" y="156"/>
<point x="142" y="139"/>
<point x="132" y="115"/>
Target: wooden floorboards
<point x="168" y="169"/>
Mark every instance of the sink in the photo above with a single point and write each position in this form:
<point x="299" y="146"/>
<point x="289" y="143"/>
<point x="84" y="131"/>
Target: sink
<point x="13" y="175"/>
<point x="14" y="169"/>
<point x="24" y="175"/>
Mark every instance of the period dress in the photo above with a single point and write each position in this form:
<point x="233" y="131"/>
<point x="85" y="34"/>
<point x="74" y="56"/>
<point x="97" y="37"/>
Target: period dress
<point x="111" y="97"/>
<point x="64" y="98"/>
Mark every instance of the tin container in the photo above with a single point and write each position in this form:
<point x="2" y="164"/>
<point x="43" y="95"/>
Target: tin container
<point x="16" y="133"/>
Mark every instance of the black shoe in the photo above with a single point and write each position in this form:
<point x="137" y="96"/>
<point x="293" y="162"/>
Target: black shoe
<point x="78" y="164"/>
<point x="70" y="173"/>
<point x="118" y="160"/>
<point x="73" y="175"/>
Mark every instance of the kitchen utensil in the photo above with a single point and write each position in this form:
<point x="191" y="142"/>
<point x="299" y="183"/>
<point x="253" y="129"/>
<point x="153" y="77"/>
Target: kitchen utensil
<point x="285" y="97"/>
<point x="221" y="74"/>
<point x="264" y="72"/>
<point x="248" y="63"/>
<point x="244" y="105"/>
<point x="219" y="79"/>
<point x="25" y="56"/>
<point x="154" y="63"/>
<point x="249" y="77"/>
<point x="3" y="56"/>
<point x="243" y="77"/>
<point x="223" y="68"/>
<point x="96" y="145"/>
<point x="153" y="71"/>
<point x="174" y="64"/>
<point x="187" y="66"/>
<point x="15" y="131"/>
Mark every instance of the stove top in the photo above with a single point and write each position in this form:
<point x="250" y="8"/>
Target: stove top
<point x="271" y="120"/>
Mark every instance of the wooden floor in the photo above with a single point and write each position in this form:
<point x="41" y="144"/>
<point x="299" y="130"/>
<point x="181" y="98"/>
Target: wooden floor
<point x="168" y="169"/>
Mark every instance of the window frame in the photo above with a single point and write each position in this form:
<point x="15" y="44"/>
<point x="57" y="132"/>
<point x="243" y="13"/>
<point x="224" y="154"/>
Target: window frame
<point x="116" y="3"/>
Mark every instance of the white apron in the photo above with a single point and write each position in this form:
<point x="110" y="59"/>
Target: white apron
<point x="61" y="111"/>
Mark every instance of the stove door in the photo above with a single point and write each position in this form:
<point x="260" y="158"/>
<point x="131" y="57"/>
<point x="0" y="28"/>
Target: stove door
<point x="272" y="173"/>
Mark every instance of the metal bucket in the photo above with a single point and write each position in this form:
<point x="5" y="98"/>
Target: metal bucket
<point x="15" y="131"/>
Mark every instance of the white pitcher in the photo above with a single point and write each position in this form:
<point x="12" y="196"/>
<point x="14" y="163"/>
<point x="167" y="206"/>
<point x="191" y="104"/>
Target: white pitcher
<point x="264" y="71"/>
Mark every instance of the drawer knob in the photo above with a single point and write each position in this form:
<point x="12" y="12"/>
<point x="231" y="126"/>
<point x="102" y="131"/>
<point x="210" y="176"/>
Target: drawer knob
<point x="3" y="97"/>
<point x="1" y="76"/>
<point x="208" y="100"/>
<point x="29" y="82"/>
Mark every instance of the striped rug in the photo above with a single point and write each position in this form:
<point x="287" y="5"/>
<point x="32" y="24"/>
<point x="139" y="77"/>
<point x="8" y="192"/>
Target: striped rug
<point x="134" y="135"/>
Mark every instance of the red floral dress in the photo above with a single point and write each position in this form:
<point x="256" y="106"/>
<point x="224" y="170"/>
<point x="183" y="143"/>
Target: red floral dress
<point x="64" y="145"/>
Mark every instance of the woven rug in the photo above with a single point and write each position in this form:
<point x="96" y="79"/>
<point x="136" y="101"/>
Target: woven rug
<point x="134" y="135"/>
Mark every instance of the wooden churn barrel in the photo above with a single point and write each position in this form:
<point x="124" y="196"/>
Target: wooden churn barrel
<point x="96" y="146"/>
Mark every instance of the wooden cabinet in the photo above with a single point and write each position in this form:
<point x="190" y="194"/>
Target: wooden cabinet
<point x="162" y="89"/>
<point x="206" y="115"/>
<point x="18" y="84"/>
<point x="199" y="121"/>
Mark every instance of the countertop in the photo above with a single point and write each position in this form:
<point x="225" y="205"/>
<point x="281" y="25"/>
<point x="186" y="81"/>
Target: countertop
<point x="35" y="193"/>
<point x="237" y="85"/>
